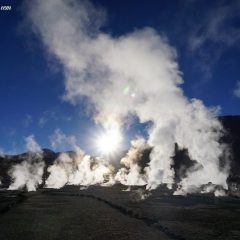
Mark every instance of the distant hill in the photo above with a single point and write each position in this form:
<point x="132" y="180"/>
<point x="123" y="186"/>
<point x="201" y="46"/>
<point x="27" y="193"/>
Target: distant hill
<point x="232" y="137"/>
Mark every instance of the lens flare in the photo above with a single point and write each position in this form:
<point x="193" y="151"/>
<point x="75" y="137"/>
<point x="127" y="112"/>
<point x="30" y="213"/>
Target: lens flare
<point x="109" y="141"/>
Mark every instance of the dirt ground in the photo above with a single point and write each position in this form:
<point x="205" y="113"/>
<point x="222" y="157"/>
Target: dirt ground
<point x="110" y="213"/>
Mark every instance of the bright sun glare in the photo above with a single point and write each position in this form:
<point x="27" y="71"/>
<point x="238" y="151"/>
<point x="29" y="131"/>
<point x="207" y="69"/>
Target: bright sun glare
<point x="109" y="141"/>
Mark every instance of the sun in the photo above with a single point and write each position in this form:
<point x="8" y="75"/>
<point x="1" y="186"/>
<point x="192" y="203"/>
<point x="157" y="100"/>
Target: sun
<point x="109" y="141"/>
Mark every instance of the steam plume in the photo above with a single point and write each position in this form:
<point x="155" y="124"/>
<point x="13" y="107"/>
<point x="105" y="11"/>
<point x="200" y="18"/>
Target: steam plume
<point x="30" y="171"/>
<point x="131" y="173"/>
<point x="79" y="169"/>
<point x="133" y="74"/>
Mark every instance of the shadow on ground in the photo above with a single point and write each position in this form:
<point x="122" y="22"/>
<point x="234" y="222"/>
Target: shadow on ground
<point x="110" y="213"/>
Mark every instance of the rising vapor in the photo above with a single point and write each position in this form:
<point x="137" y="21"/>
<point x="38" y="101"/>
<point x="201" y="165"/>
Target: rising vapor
<point x="29" y="173"/>
<point x="78" y="169"/>
<point x="133" y="74"/>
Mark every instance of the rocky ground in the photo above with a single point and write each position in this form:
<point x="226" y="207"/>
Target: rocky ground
<point x="110" y="213"/>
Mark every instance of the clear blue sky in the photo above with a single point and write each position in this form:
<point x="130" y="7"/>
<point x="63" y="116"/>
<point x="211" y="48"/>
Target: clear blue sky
<point x="206" y="35"/>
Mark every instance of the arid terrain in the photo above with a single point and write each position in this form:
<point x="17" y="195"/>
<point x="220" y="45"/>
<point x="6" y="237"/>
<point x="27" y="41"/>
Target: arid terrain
<point x="111" y="213"/>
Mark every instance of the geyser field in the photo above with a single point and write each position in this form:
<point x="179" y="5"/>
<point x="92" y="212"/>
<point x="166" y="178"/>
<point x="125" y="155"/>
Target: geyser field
<point x="130" y="76"/>
<point x="176" y="176"/>
<point x="48" y="195"/>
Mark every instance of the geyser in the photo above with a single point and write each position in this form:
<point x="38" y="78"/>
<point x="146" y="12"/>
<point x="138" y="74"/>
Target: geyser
<point x="98" y="66"/>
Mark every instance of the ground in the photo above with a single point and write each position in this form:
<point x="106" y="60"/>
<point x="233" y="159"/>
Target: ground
<point x="110" y="213"/>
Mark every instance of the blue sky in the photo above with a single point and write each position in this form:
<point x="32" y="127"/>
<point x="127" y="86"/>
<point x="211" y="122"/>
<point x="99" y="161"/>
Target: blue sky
<point x="205" y="34"/>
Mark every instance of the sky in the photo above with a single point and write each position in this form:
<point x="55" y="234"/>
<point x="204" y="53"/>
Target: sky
<point x="204" y="34"/>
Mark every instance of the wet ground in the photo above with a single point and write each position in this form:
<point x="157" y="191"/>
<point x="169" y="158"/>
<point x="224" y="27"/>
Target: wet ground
<point x="110" y="213"/>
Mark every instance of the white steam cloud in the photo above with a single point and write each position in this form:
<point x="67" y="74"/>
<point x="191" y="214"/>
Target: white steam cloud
<point x="79" y="169"/>
<point x="60" y="139"/>
<point x="29" y="172"/>
<point x="31" y="145"/>
<point x="134" y="74"/>
<point x="130" y="173"/>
